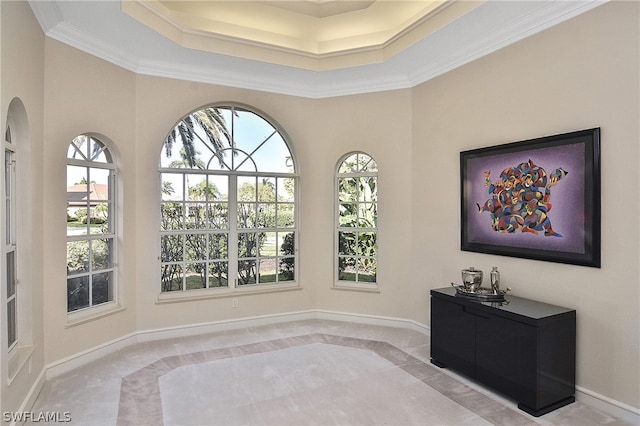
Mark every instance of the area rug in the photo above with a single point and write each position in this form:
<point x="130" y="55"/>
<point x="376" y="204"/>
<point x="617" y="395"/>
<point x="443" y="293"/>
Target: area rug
<point x="312" y="379"/>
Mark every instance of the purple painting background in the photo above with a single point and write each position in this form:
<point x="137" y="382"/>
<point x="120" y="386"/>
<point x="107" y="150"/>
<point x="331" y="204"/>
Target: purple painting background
<point x="567" y="199"/>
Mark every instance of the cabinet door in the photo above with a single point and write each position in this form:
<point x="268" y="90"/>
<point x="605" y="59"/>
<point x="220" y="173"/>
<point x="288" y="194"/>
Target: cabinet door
<point x="506" y="354"/>
<point x="452" y="336"/>
<point x="557" y="361"/>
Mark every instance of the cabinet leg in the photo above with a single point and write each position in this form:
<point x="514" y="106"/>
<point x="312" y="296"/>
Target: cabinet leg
<point x="437" y="363"/>
<point x="548" y="408"/>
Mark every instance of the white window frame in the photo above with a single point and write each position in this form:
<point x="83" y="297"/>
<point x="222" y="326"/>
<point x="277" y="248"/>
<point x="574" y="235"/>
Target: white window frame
<point x="343" y="283"/>
<point x="10" y="240"/>
<point x="16" y="240"/>
<point x="93" y="311"/>
<point x="232" y="230"/>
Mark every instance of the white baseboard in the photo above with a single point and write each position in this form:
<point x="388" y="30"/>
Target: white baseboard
<point x="372" y="320"/>
<point x="212" y="327"/>
<point x="608" y="405"/>
<point x="601" y="402"/>
<point x="32" y="395"/>
<point x="74" y="361"/>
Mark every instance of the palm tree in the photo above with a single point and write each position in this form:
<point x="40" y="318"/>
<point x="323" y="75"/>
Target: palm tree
<point x="204" y="191"/>
<point x="167" y="188"/>
<point x="209" y="121"/>
<point x="187" y="160"/>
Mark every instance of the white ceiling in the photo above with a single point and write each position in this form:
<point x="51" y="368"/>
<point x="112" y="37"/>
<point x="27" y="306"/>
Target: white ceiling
<point x="317" y="35"/>
<point x="102" y="29"/>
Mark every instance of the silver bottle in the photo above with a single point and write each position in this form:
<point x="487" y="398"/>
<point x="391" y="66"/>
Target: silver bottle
<point x="495" y="280"/>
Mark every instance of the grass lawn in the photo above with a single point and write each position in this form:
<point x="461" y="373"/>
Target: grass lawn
<point x="351" y="276"/>
<point x="195" y="282"/>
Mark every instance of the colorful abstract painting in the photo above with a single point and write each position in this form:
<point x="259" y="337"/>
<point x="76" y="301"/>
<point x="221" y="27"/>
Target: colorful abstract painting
<point x="537" y="199"/>
<point x="521" y="199"/>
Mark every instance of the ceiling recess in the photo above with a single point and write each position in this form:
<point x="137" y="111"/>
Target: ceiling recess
<point x="314" y="35"/>
<point x="316" y="49"/>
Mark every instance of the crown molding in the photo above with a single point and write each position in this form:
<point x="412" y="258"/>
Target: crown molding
<point x="486" y="29"/>
<point x="75" y="37"/>
<point x="299" y="51"/>
<point x="47" y="13"/>
<point x="500" y="36"/>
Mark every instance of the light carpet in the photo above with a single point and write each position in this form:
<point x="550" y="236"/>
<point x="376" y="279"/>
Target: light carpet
<point x="312" y="372"/>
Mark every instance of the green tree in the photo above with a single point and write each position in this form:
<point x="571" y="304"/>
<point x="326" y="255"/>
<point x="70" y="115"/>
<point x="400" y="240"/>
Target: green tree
<point x="250" y="210"/>
<point x="358" y="209"/>
<point x="186" y="161"/>
<point x="167" y="188"/>
<point x="287" y="263"/>
<point x="208" y="121"/>
<point x="256" y="209"/>
<point x="81" y="215"/>
<point x="195" y="242"/>
<point x="204" y="191"/>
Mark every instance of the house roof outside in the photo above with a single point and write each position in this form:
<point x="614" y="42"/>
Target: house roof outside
<point x="77" y="194"/>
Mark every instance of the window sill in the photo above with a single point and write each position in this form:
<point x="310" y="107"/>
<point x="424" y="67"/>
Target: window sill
<point x="18" y="358"/>
<point x="354" y="286"/>
<point x="190" y="295"/>
<point x="91" y="314"/>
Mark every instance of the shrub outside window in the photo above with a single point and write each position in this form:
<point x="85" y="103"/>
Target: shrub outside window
<point x="357" y="220"/>
<point x="228" y="209"/>
<point x="90" y="224"/>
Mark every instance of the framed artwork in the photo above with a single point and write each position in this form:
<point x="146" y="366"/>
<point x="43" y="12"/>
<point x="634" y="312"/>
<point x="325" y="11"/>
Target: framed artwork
<point x="536" y="199"/>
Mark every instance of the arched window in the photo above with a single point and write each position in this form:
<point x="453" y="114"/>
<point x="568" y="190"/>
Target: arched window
<point x="228" y="202"/>
<point x="91" y="233"/>
<point x="357" y="221"/>
<point x="17" y="236"/>
<point x="10" y="246"/>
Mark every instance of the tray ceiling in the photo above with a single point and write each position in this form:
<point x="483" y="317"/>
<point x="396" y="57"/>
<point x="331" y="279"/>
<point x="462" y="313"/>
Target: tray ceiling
<point x="315" y="35"/>
<point x="312" y="48"/>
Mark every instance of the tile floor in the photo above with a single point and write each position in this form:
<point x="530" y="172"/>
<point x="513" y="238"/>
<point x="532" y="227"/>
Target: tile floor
<point x="313" y="372"/>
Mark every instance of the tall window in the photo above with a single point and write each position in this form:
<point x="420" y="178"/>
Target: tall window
<point x="228" y="200"/>
<point x="357" y="220"/>
<point x="90" y="224"/>
<point x="10" y="237"/>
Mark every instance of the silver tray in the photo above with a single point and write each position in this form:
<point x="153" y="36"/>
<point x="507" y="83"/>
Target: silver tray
<point x="481" y="294"/>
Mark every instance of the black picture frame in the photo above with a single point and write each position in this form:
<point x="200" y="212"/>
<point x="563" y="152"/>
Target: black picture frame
<point x="540" y="200"/>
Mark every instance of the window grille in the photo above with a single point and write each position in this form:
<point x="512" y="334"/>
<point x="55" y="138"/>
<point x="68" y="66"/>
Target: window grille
<point x="357" y="219"/>
<point x="91" y="234"/>
<point x="228" y="202"/>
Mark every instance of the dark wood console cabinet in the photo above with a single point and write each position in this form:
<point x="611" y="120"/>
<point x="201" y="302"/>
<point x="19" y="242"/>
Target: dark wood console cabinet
<point x="523" y="349"/>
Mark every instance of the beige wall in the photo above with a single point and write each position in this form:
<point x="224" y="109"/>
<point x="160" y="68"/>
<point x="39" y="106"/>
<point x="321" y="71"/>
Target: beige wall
<point x="320" y="133"/>
<point x="160" y="103"/>
<point x="380" y="125"/>
<point x="579" y="75"/>
<point x="21" y="90"/>
<point x="85" y="95"/>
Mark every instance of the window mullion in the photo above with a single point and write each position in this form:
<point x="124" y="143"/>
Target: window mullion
<point x="185" y="190"/>
<point x="111" y="207"/>
<point x="11" y="199"/>
<point x="232" y="246"/>
<point x="90" y="268"/>
<point x="88" y="203"/>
